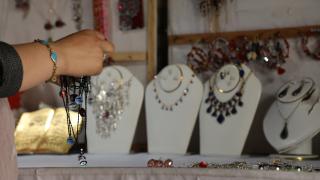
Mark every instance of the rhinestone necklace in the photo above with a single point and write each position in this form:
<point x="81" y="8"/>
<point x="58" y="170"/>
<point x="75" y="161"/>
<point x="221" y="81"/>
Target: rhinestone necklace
<point x="108" y="102"/>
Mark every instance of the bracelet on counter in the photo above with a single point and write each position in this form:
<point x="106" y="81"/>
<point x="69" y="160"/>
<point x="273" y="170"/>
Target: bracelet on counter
<point x="53" y="56"/>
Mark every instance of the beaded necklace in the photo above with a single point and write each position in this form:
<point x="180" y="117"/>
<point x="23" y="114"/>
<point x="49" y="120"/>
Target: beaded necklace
<point x="219" y="109"/>
<point x="170" y="106"/>
<point x="74" y="92"/>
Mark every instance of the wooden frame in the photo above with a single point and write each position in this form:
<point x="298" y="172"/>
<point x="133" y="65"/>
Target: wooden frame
<point x="289" y="32"/>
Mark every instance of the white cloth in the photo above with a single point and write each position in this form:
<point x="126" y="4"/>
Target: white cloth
<point x="8" y="162"/>
<point x="158" y="174"/>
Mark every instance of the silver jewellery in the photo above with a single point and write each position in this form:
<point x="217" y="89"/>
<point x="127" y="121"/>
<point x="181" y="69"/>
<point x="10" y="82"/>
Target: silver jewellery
<point x="169" y="106"/>
<point x="298" y="99"/>
<point x="218" y="109"/>
<point x="109" y="101"/>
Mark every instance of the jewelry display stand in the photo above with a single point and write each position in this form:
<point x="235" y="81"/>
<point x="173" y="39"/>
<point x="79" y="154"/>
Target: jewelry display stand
<point x="226" y="135"/>
<point x="292" y="121"/>
<point x="121" y="138"/>
<point x="172" y="104"/>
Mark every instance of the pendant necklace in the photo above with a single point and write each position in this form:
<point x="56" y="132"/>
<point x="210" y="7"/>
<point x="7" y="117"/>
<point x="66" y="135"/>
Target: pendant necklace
<point x="158" y="86"/>
<point x="283" y="91"/>
<point x="74" y="92"/>
<point x="109" y="101"/>
<point x="218" y="109"/>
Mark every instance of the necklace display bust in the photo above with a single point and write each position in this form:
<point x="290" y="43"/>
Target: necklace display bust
<point x="172" y="103"/>
<point x="227" y="110"/>
<point x="113" y="115"/>
<point x="292" y="119"/>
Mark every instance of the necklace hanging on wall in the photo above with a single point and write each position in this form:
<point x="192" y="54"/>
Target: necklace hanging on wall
<point x="222" y="109"/>
<point x="24" y="6"/>
<point x="52" y="17"/>
<point x="108" y="102"/>
<point x="77" y="13"/>
<point x="298" y="96"/>
<point x="207" y="6"/>
<point x="158" y="86"/>
<point x="74" y="92"/>
<point x="130" y="14"/>
<point x="102" y="19"/>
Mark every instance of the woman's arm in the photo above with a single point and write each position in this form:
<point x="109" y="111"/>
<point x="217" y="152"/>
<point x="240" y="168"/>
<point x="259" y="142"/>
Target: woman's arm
<point x="78" y="54"/>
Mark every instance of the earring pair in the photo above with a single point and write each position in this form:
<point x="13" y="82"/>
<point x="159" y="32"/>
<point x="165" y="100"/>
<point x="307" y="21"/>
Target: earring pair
<point x="297" y="91"/>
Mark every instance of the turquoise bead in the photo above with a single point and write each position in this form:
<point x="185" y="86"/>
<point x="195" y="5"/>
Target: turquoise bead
<point x="54" y="56"/>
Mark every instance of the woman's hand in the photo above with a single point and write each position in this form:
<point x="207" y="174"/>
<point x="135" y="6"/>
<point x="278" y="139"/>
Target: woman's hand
<point x="81" y="53"/>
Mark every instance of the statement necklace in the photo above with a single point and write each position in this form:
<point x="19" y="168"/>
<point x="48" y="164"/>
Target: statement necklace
<point x="109" y="101"/>
<point x="219" y="109"/>
<point x="306" y="96"/>
<point x="169" y="106"/>
<point x="74" y="92"/>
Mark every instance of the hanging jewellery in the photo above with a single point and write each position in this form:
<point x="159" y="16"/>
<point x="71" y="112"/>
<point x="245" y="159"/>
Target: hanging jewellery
<point x="77" y="13"/>
<point x="169" y="106"/>
<point x="108" y="102"/>
<point x="306" y="96"/>
<point x="74" y="93"/>
<point x="219" y="109"/>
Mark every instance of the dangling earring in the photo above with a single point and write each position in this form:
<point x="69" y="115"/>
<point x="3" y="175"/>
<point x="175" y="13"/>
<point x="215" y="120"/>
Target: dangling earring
<point x="59" y="23"/>
<point x="283" y="92"/>
<point x="298" y="90"/>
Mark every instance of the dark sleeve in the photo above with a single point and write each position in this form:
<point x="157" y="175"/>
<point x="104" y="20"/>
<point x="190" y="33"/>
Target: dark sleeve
<point x="11" y="70"/>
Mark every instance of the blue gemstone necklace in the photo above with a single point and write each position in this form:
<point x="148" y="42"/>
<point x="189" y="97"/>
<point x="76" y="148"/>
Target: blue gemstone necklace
<point x="218" y="109"/>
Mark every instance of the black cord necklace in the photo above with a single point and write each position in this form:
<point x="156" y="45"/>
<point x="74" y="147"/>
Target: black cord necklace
<point x="74" y="93"/>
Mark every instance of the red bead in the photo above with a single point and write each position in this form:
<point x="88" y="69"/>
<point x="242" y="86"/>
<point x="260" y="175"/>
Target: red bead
<point x="281" y="70"/>
<point x="48" y="26"/>
<point x="63" y="93"/>
<point x="120" y="7"/>
<point x="60" y="23"/>
<point x="203" y="164"/>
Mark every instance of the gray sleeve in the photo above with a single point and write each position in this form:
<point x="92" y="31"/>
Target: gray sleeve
<point x="11" y="70"/>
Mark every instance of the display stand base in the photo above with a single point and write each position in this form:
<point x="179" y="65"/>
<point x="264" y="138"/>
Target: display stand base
<point x="301" y="152"/>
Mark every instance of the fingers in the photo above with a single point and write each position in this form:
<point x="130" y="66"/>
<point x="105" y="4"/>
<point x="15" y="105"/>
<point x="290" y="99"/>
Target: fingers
<point x="107" y="46"/>
<point x="99" y="35"/>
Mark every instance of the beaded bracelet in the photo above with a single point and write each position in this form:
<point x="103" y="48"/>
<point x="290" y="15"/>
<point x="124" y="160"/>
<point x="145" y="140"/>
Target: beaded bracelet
<point x="53" y="57"/>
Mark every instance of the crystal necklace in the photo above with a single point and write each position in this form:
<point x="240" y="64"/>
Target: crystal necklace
<point x="108" y="102"/>
<point x="166" y="105"/>
<point x="219" y="109"/>
<point x="304" y="97"/>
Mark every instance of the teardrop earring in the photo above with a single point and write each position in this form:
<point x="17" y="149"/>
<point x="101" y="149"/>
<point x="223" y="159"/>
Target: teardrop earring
<point x="298" y="90"/>
<point x="283" y="92"/>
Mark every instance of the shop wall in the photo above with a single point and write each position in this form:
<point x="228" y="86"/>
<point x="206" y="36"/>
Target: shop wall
<point x="251" y="15"/>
